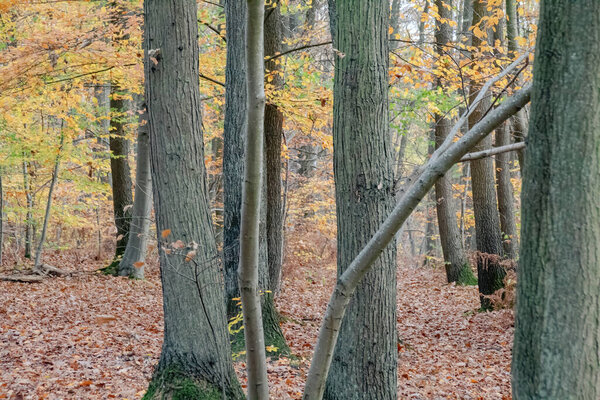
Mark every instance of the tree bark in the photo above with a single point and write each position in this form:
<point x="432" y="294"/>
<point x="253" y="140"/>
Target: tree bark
<point x="347" y="283"/>
<point x="38" y="255"/>
<point x="121" y="176"/>
<point x="455" y="260"/>
<point x="233" y="145"/>
<point x="557" y="329"/>
<point x="273" y="143"/>
<point x="29" y="212"/>
<point x="364" y="364"/>
<point x="195" y="361"/>
<point x="132" y="264"/>
<point x="490" y="273"/>
<point x="256" y="365"/>
<point x="506" y="199"/>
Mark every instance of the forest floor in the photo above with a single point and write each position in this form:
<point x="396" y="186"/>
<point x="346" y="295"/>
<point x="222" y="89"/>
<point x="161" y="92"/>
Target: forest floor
<point x="89" y="336"/>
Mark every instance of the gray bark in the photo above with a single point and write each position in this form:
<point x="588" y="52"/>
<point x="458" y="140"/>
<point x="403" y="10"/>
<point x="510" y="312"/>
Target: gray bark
<point x="557" y="329"/>
<point x="364" y="364"/>
<point x="488" y="237"/>
<point x="506" y="198"/>
<point x="256" y="366"/>
<point x="273" y="143"/>
<point x="196" y="352"/>
<point x="29" y="212"/>
<point x="233" y="145"/>
<point x="40" y="249"/>
<point x="455" y="260"/>
<point x="120" y="172"/>
<point x="135" y="252"/>
<point x="347" y="283"/>
<point x="493" y="151"/>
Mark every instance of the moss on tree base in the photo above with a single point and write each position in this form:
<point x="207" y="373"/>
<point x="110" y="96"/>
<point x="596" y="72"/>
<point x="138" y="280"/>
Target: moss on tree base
<point x="173" y="384"/>
<point x="466" y="277"/>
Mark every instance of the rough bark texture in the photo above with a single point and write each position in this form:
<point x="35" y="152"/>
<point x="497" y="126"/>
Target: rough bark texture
<point x="233" y="148"/>
<point x="135" y="252"/>
<point x="29" y="213"/>
<point x="506" y="198"/>
<point x="120" y="172"/>
<point x="487" y="222"/>
<point x="557" y="331"/>
<point x="455" y="259"/>
<point x="196" y="354"/>
<point x="273" y="142"/>
<point x="364" y="362"/>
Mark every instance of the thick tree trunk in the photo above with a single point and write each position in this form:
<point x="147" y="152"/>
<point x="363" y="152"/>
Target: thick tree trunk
<point x="557" y="330"/>
<point x="132" y="264"/>
<point x="195" y="361"/>
<point x="490" y="273"/>
<point x="233" y="164"/>
<point x="273" y="142"/>
<point x="364" y="364"/>
<point x="121" y="176"/>
<point x="506" y="198"/>
<point x="233" y="146"/>
<point x="455" y="260"/>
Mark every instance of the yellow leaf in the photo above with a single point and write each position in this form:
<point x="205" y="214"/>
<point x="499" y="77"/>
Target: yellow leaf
<point x="165" y="233"/>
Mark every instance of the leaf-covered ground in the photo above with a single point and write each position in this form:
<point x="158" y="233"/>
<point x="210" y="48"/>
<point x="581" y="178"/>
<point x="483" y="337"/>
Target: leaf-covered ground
<point x="94" y="337"/>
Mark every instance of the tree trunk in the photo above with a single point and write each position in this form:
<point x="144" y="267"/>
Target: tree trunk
<point x="364" y="364"/>
<point x="256" y="365"/>
<point x="195" y="361"/>
<point x="556" y="348"/>
<point x="132" y="264"/>
<point x="38" y="254"/>
<point x="455" y="260"/>
<point x="490" y="273"/>
<point x="29" y="212"/>
<point x="518" y="121"/>
<point x="1" y="218"/>
<point x="273" y="142"/>
<point x="506" y="199"/>
<point x="233" y="146"/>
<point x="121" y="176"/>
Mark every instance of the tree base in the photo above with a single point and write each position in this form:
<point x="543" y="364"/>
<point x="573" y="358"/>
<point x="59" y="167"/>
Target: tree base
<point x="466" y="277"/>
<point x="173" y="384"/>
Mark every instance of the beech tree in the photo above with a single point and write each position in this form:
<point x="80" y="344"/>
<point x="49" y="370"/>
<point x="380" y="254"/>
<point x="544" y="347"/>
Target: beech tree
<point x="195" y="360"/>
<point x="557" y="329"/>
<point x="364" y="364"/>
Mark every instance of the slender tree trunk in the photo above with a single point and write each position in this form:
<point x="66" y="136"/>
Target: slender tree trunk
<point x="132" y="264"/>
<point x="490" y="273"/>
<point x="195" y="361"/>
<point x="273" y="143"/>
<point x="455" y="260"/>
<point x="29" y="212"/>
<point x="364" y="364"/>
<point x="519" y="124"/>
<point x="40" y="249"/>
<point x="557" y="330"/>
<point x="359" y="268"/>
<point x="121" y="176"/>
<point x="506" y="199"/>
<point x="1" y="217"/>
<point x="256" y="366"/>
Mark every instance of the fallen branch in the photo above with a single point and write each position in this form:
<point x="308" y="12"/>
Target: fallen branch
<point x="493" y="151"/>
<point x="22" y="278"/>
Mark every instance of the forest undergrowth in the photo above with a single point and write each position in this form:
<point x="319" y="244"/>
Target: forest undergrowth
<point x="91" y="336"/>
